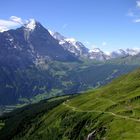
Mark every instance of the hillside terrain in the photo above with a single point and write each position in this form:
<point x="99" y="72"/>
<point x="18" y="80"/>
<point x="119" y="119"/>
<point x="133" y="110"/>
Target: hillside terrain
<point x="110" y="112"/>
<point x="35" y="66"/>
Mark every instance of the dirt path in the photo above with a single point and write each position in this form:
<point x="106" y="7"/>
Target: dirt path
<point x="95" y="111"/>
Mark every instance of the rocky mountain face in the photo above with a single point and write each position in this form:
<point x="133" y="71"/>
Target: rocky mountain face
<point x="32" y="42"/>
<point x="77" y="48"/>
<point x="97" y="54"/>
<point x="22" y="51"/>
<point x="70" y="44"/>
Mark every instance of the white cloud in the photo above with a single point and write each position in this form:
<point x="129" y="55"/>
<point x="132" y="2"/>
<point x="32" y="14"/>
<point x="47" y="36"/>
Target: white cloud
<point x="138" y="3"/>
<point x="11" y="23"/>
<point x="104" y="43"/>
<point x="130" y="13"/>
<point x="134" y="12"/>
<point x="17" y="20"/>
<point x="136" y="20"/>
<point x="7" y="24"/>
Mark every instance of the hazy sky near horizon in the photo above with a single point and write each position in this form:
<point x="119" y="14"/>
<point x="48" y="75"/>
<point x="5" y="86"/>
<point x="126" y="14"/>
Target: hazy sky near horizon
<point x="106" y="24"/>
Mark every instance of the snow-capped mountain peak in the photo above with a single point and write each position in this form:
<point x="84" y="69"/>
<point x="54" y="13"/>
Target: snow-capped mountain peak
<point x="118" y="53"/>
<point x="70" y="44"/>
<point x="123" y="53"/>
<point x="98" y="55"/>
<point x="76" y="47"/>
<point x="31" y="24"/>
<point x="133" y="51"/>
<point x="71" y="40"/>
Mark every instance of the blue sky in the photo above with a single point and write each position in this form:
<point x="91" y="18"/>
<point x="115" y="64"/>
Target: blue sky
<point x="107" y="24"/>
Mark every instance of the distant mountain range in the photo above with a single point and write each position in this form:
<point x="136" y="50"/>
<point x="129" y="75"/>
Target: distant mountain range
<point x="36" y="64"/>
<point x="76" y="47"/>
<point x="71" y="46"/>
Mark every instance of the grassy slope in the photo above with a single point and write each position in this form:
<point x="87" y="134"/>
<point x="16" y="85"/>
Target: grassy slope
<point x="27" y="118"/>
<point x="109" y="113"/>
